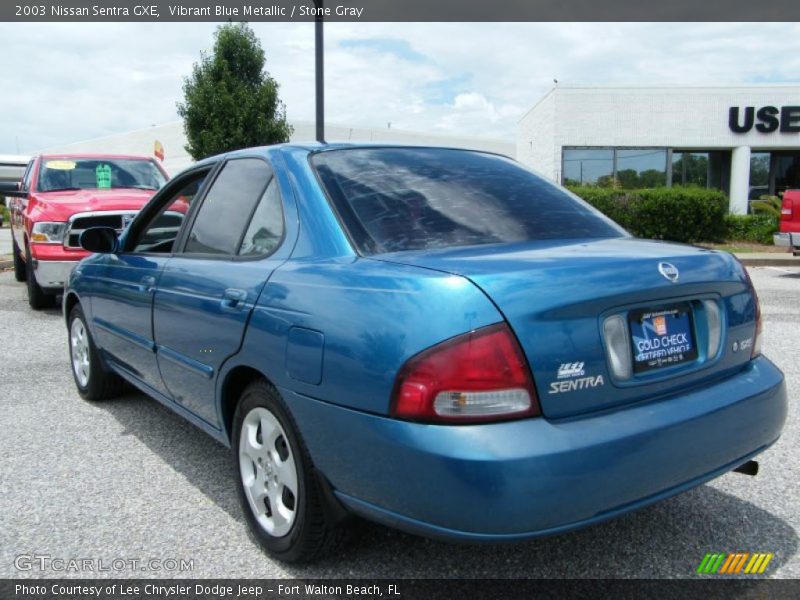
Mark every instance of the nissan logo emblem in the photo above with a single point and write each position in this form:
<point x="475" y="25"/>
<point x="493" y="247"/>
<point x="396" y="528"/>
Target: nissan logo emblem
<point x="669" y="271"/>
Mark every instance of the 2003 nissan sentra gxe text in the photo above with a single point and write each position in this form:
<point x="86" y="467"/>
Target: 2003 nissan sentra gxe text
<point x="434" y="339"/>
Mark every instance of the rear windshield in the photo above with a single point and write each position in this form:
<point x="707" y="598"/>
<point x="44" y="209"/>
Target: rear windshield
<point x="395" y="199"/>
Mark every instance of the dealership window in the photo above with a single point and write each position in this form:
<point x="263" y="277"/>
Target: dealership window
<point x="690" y="168"/>
<point x="787" y="171"/>
<point x="630" y="167"/>
<point x="759" y="175"/>
<point x="651" y="167"/>
<point x="590" y="166"/>
<point x="641" y="168"/>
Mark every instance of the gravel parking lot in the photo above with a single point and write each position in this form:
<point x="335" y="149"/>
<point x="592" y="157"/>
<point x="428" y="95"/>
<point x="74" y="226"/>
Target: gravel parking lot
<point x="128" y="479"/>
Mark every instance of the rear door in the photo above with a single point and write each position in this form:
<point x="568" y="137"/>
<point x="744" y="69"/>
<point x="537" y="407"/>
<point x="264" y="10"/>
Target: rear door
<point x="207" y="290"/>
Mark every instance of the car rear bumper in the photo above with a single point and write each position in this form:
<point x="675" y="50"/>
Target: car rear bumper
<point x="786" y="239"/>
<point x="534" y="477"/>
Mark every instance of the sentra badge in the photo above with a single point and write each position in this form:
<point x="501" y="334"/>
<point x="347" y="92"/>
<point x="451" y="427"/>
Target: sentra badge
<point x="570" y="385"/>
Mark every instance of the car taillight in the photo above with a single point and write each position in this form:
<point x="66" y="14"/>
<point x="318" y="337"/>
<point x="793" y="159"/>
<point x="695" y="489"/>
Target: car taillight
<point x="757" y="341"/>
<point x="479" y="376"/>
<point x="787" y="208"/>
<point x="757" y="336"/>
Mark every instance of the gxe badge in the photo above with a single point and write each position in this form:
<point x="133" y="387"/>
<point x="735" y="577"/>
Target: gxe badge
<point x="669" y="271"/>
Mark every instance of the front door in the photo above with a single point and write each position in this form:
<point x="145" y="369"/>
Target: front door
<point x="122" y="302"/>
<point x="208" y="289"/>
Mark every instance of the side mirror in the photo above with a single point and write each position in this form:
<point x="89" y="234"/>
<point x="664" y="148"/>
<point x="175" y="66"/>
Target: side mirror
<point x="100" y="240"/>
<point x="11" y="188"/>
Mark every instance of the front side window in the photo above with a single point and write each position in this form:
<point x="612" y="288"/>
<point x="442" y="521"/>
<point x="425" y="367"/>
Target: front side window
<point x="59" y="174"/>
<point x="395" y="199"/>
<point x="27" y="177"/>
<point x="160" y="233"/>
<point x="228" y="207"/>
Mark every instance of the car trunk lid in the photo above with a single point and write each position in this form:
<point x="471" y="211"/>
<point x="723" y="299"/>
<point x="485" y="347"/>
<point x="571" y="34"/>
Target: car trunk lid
<point x="556" y="295"/>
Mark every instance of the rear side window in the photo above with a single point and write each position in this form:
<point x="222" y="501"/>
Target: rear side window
<point x="265" y="231"/>
<point x="228" y="207"/>
<point x="395" y="199"/>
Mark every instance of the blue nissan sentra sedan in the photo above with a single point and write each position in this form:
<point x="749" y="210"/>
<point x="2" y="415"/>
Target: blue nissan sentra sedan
<point x="436" y="339"/>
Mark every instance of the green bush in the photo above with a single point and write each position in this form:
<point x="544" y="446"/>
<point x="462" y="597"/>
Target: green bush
<point x="677" y="214"/>
<point x="757" y="229"/>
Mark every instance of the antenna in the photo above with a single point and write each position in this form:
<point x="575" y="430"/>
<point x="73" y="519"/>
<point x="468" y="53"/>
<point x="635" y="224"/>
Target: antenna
<point x="319" y="71"/>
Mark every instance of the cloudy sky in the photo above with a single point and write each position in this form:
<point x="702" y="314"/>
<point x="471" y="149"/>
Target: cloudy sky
<point x="69" y="82"/>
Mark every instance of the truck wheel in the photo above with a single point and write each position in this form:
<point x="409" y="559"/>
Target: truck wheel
<point x="19" y="264"/>
<point x="280" y="493"/>
<point x="92" y="379"/>
<point x="37" y="298"/>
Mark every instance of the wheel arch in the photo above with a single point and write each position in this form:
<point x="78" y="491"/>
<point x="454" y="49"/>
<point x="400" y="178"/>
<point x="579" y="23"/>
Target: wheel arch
<point x="70" y="301"/>
<point x="234" y="383"/>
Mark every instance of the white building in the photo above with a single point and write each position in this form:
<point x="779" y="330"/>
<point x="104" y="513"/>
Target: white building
<point x="173" y="140"/>
<point x="744" y="140"/>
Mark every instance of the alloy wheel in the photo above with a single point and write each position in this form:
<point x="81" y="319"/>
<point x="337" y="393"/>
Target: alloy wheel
<point x="79" y="351"/>
<point x="268" y="471"/>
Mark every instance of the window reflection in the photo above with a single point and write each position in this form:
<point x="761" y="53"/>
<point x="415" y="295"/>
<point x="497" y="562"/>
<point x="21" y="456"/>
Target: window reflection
<point x="690" y="169"/>
<point x="642" y="168"/>
<point x="588" y="167"/>
<point x="787" y="172"/>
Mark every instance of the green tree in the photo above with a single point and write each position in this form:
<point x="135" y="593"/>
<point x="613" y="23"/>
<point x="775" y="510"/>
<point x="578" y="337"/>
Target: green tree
<point x="230" y="101"/>
<point x="628" y="178"/>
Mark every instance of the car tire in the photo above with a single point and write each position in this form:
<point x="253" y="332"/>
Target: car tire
<point x="19" y="264"/>
<point x="292" y="525"/>
<point x="38" y="299"/>
<point x="93" y="380"/>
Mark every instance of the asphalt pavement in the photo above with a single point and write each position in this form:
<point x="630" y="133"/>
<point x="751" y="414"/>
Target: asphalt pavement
<point x="127" y="479"/>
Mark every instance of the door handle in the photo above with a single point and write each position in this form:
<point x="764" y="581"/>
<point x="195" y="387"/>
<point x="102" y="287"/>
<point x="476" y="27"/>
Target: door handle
<point x="147" y="283"/>
<point x="232" y="298"/>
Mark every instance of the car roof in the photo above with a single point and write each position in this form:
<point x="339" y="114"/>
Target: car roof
<point x="317" y="147"/>
<point x="314" y="147"/>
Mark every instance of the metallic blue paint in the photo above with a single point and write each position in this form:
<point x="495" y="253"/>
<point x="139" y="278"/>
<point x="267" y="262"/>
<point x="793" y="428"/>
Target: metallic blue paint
<point x="304" y="348"/>
<point x="552" y="293"/>
<point x="331" y="329"/>
<point x="536" y="476"/>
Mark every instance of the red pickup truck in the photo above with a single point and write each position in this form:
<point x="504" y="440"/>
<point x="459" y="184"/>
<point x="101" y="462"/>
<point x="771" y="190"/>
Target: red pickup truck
<point x="59" y="197"/>
<point x="790" y="222"/>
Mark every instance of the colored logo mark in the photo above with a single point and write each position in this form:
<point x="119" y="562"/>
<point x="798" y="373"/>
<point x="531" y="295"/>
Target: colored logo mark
<point x="732" y="564"/>
<point x="660" y="324"/>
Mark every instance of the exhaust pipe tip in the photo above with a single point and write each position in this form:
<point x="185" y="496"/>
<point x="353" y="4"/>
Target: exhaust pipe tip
<point x="748" y="468"/>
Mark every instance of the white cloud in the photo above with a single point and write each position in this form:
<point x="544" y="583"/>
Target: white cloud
<point x="66" y="82"/>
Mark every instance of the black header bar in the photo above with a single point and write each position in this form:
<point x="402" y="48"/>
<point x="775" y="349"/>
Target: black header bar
<point x="400" y="10"/>
<point x="702" y="587"/>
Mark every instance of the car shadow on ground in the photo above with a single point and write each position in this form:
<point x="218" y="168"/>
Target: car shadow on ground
<point x="668" y="539"/>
